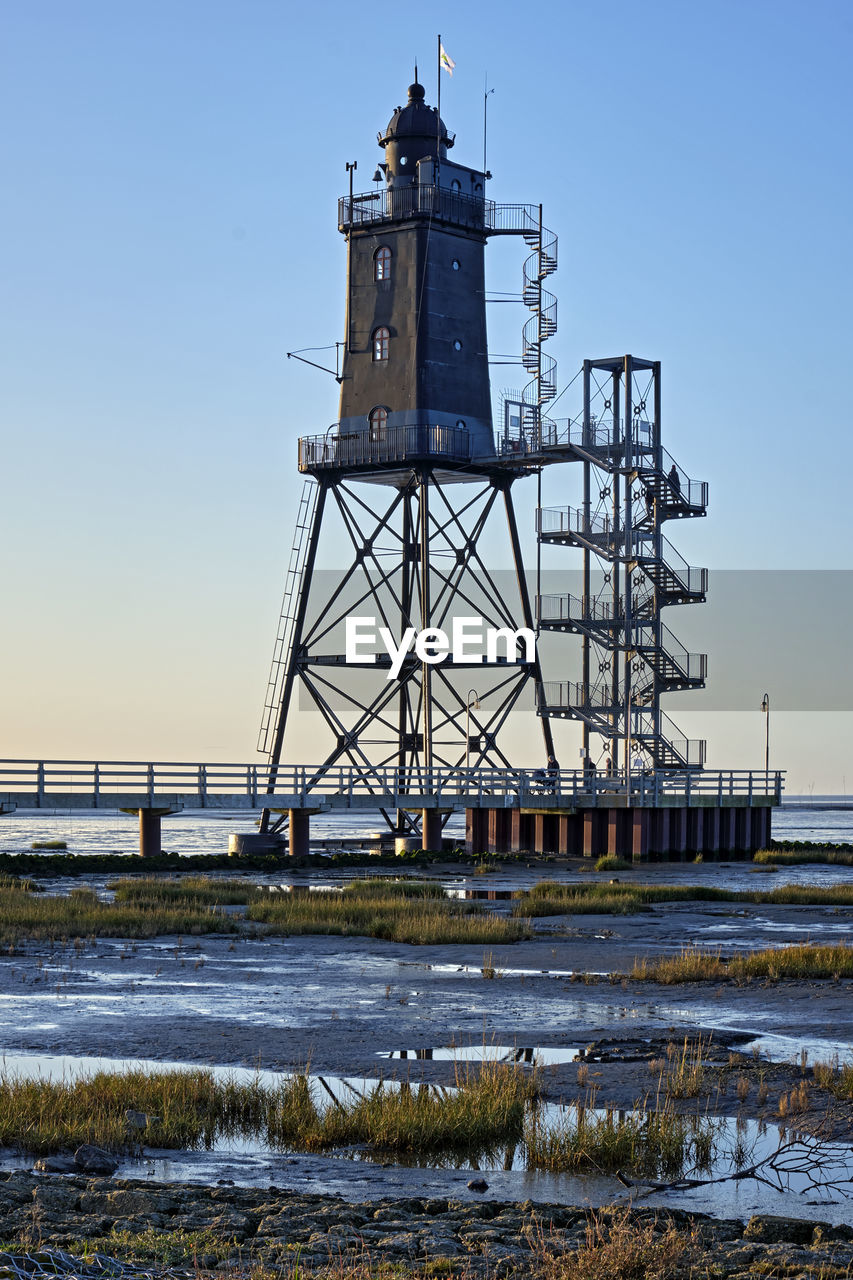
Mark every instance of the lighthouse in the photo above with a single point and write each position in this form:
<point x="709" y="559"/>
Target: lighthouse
<point x="415" y="348"/>
<point x="408" y="486"/>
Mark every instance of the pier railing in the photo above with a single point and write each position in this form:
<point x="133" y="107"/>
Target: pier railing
<point x="58" y="784"/>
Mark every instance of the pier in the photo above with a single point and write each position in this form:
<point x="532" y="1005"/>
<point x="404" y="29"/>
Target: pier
<point x="663" y="813"/>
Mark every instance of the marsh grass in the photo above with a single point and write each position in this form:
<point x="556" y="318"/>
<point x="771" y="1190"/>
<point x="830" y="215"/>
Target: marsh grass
<point x="189" y="890"/>
<point x="410" y="911"/>
<point x="685" y="1071"/>
<point x="491" y="1111"/>
<point x="81" y="914"/>
<point x="397" y="911"/>
<point x="551" y="898"/>
<point x="49" y="844"/>
<point x="647" y="1142"/>
<point x="802" y="960"/>
<point x="611" y="862"/>
<point x="841" y="855"/>
<point x="195" y="1109"/>
<point x="837" y="1079"/>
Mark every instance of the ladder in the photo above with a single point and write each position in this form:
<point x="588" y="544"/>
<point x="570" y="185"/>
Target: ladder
<point x="289" y="605"/>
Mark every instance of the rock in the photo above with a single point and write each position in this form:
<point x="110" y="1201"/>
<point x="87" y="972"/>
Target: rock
<point x="94" y="1160"/>
<point x="771" y="1229"/>
<point x="478" y="1184"/>
<point x="139" y="1119"/>
<point x="56" y="1164"/>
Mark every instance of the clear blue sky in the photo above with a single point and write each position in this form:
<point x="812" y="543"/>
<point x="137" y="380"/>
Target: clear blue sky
<point x="168" y="232"/>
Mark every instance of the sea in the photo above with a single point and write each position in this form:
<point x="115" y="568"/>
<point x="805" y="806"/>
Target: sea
<point x="822" y="819"/>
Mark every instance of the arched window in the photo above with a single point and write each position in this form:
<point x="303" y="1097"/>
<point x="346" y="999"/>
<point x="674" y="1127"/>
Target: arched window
<point x="456" y="185"/>
<point x="381" y="341"/>
<point x="382" y="263"/>
<point x="377" y="420"/>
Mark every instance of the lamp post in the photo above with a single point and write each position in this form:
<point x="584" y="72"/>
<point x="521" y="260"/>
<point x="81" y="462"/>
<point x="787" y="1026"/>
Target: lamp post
<point x="765" y="707"/>
<point x="468" y="705"/>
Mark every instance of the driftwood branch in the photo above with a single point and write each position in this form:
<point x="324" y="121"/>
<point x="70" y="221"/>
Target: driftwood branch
<point x="822" y="1165"/>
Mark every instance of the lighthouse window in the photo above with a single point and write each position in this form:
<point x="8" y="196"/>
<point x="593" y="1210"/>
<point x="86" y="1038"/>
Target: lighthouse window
<point x="456" y="264"/>
<point x="381" y="343"/>
<point x="404" y="159"/>
<point x="382" y="263"/>
<point x="457" y="346"/>
<point x="377" y="420"/>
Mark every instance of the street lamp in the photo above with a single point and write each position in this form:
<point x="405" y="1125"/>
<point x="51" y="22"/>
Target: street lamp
<point x="765" y="707"/>
<point x="468" y="705"/>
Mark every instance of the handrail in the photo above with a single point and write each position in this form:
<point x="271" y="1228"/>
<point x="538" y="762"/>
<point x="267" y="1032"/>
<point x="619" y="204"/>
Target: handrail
<point x="423" y="200"/>
<point x="49" y="781"/>
<point x="601" y="439"/>
<point x="416" y="200"/>
<point x="383" y="445"/>
<point x="610" y="539"/>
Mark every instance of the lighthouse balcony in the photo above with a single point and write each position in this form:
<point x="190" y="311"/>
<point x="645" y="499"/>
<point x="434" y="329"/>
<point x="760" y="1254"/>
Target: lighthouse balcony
<point x="384" y="448"/>
<point x="415" y="200"/>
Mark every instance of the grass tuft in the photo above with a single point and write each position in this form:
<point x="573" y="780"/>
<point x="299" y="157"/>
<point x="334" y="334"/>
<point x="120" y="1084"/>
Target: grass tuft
<point x="552" y="898"/>
<point x="398" y="911"/>
<point x="792" y="853"/>
<point x="618" y="1247"/>
<point x="804" y="960"/>
<point x="612" y="862"/>
<point x="81" y="914"/>
<point x="645" y="1142"/>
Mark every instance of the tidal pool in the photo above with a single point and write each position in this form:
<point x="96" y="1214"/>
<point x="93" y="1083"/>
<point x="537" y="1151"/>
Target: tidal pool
<point x="809" y="1179"/>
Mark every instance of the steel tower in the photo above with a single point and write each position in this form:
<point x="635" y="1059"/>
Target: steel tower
<point x="631" y="572"/>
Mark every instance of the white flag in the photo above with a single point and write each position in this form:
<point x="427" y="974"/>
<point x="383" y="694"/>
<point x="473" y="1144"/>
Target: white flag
<point x="445" y="60"/>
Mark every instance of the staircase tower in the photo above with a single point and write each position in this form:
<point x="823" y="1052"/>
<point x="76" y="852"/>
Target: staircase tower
<point x="631" y="572"/>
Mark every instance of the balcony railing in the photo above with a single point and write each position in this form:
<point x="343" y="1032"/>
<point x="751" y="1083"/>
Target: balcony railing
<point x="416" y="201"/>
<point x="392" y="204"/>
<point x="383" y="446"/>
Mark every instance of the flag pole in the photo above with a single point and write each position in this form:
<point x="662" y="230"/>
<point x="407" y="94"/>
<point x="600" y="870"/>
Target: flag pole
<point x="486" y="92"/>
<point x="438" y="111"/>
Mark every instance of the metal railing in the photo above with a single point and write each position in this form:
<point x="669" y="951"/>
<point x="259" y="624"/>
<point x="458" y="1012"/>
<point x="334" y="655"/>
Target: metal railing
<point x="610" y="540"/>
<point x="691" y="580"/>
<point x="693" y="493"/>
<point x="415" y="201"/>
<point x="382" y="445"/>
<point x="690" y="666"/>
<point x="555" y="607"/>
<point x="597" y="439"/>
<point x="554" y="695"/>
<point x="665" y="737"/>
<point x="419" y="200"/>
<point x="115" y="784"/>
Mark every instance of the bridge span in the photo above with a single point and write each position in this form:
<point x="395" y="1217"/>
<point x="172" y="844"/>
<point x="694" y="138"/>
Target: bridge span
<point x="664" y="812"/>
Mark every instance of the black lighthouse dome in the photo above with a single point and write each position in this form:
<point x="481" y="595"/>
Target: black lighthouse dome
<point x="414" y="132"/>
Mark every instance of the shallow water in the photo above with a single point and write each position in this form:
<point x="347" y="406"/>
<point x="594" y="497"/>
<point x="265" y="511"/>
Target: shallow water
<point x="248" y="1163"/>
<point x="200" y="832"/>
<point x="539" y="1056"/>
